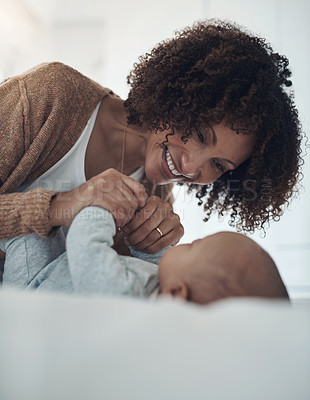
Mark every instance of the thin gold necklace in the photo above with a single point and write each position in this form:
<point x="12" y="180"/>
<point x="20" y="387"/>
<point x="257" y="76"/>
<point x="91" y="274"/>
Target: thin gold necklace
<point x="119" y="229"/>
<point x="145" y="181"/>
<point x="123" y="150"/>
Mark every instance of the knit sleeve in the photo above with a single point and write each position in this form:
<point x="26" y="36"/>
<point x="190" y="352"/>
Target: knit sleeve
<point x="23" y="213"/>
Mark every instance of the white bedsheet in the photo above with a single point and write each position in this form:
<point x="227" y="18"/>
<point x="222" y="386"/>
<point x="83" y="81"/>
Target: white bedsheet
<point x="58" y="347"/>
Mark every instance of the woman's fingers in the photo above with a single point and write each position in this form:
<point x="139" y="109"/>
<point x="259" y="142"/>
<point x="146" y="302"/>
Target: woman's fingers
<point x="143" y="218"/>
<point x="136" y="188"/>
<point x="149" y="226"/>
<point x="159" y="244"/>
<point x="124" y="198"/>
<point x="166" y="234"/>
<point x="153" y="227"/>
<point x="120" y="187"/>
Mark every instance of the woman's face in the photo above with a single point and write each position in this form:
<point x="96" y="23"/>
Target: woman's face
<point x="203" y="159"/>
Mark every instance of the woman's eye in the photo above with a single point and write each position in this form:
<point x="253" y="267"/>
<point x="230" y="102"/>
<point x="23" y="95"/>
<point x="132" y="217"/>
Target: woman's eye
<point x="200" y="136"/>
<point x="219" y="166"/>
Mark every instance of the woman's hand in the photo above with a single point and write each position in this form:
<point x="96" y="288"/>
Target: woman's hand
<point x="116" y="192"/>
<point x="153" y="227"/>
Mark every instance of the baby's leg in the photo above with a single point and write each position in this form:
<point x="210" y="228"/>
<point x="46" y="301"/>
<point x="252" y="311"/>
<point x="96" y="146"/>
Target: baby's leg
<point x="26" y="255"/>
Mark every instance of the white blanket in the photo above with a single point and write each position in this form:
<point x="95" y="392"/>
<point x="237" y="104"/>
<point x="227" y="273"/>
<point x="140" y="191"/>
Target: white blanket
<point x="61" y="347"/>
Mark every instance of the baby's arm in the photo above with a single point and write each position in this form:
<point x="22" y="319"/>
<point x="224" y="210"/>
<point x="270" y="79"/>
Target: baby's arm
<point x="94" y="266"/>
<point x="27" y="256"/>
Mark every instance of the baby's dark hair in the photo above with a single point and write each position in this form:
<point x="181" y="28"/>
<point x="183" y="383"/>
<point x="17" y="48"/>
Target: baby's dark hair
<point x="216" y="71"/>
<point x="236" y="266"/>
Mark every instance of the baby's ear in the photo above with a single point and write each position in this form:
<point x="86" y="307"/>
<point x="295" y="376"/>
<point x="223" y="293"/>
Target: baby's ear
<point x="177" y="289"/>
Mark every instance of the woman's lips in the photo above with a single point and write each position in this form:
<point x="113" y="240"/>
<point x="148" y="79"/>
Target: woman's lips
<point x="177" y="176"/>
<point x="171" y="164"/>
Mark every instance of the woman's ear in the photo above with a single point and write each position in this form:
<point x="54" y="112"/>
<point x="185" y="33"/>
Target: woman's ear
<point x="178" y="289"/>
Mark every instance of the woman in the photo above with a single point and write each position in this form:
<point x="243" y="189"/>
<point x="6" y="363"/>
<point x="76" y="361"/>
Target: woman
<point x="208" y="108"/>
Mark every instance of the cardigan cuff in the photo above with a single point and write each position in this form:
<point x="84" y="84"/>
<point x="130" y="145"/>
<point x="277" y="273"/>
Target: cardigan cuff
<point x="35" y="213"/>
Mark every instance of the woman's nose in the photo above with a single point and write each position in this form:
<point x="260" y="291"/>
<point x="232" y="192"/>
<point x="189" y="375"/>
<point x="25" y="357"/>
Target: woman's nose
<point x="197" y="168"/>
<point x="192" y="165"/>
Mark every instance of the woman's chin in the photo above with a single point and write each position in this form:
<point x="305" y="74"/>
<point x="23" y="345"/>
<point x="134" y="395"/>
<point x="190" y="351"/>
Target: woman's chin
<point x="155" y="177"/>
<point x="160" y="180"/>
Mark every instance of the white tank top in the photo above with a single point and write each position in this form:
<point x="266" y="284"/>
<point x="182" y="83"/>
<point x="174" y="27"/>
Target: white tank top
<point x="69" y="172"/>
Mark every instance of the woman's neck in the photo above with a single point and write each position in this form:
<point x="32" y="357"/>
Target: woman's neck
<point x="110" y="136"/>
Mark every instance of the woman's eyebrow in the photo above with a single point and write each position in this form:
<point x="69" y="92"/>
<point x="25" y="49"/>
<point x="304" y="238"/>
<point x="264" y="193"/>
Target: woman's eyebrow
<point x="230" y="162"/>
<point x="214" y="138"/>
<point x="214" y="141"/>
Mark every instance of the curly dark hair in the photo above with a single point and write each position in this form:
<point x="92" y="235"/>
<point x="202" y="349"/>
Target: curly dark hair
<point x="216" y="71"/>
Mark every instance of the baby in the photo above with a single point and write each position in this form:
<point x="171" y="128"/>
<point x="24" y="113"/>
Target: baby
<point x="222" y="265"/>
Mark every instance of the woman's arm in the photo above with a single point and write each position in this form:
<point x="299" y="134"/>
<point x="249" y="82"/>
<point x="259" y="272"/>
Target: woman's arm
<point x="42" y="211"/>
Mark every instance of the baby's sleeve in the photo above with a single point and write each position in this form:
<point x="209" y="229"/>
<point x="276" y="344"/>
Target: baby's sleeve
<point x="151" y="258"/>
<point x="94" y="266"/>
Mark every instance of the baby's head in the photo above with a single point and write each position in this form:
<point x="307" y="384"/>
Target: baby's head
<point x="225" y="264"/>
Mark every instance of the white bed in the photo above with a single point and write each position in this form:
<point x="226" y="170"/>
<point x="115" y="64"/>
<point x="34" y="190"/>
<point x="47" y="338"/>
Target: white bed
<point x="61" y="347"/>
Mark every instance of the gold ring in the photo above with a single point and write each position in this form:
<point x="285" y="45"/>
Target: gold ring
<point x="159" y="231"/>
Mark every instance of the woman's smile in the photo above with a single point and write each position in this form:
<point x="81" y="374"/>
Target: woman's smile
<point x="169" y="167"/>
<point x="196" y="161"/>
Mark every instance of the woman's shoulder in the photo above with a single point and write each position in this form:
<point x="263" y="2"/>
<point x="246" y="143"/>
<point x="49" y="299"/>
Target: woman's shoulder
<point x="50" y="69"/>
<point x="57" y="75"/>
<point x="46" y="70"/>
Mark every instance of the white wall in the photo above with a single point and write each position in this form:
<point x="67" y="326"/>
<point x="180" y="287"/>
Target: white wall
<point x="103" y="39"/>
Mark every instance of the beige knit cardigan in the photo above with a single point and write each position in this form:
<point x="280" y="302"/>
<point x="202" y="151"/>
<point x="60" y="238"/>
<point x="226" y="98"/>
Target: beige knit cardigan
<point x="42" y="114"/>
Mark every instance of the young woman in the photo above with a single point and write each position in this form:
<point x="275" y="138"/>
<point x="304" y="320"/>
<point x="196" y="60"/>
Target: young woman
<point x="208" y="108"/>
